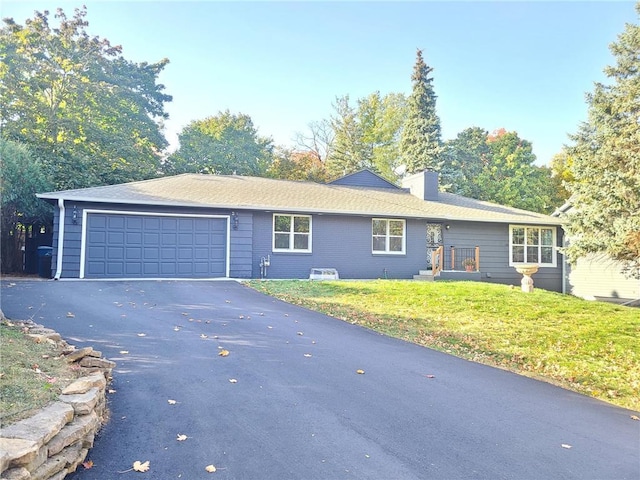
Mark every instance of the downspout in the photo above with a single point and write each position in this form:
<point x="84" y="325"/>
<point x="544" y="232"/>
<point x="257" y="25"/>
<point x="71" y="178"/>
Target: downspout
<point x="61" y="220"/>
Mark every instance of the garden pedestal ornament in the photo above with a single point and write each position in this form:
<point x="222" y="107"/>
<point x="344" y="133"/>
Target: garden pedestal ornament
<point x="527" y="270"/>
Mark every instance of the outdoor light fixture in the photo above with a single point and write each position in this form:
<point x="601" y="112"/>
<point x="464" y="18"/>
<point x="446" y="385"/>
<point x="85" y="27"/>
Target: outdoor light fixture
<point x="74" y="215"/>
<point x="235" y="220"/>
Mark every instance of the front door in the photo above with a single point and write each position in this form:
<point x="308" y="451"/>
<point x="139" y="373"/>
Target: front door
<point x="434" y="239"/>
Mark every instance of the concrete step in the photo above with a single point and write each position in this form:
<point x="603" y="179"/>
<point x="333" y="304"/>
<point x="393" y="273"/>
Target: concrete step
<point x="424" y="272"/>
<point x="423" y="278"/>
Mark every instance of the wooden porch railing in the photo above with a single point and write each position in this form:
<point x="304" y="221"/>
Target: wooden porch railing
<point x="437" y="260"/>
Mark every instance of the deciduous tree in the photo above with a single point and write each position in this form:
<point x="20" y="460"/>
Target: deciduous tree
<point x="605" y="190"/>
<point x="91" y="115"/>
<point x="225" y="144"/>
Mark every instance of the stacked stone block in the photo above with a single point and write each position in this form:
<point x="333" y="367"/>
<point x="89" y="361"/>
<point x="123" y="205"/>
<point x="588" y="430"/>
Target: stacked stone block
<point x="52" y="443"/>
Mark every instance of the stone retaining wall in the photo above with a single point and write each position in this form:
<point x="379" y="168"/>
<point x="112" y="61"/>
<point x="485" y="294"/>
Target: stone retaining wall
<point x="52" y="443"/>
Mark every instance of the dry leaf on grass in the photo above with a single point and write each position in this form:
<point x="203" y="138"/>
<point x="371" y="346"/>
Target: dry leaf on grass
<point x="223" y="353"/>
<point x="210" y="468"/>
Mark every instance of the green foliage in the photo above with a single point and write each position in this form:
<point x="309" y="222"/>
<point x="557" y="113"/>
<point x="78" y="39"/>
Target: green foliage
<point x="464" y="159"/>
<point x="382" y="119"/>
<point x="605" y="190"/>
<point x="294" y="165"/>
<point x="367" y="135"/>
<point x="224" y="144"/>
<point x="21" y="177"/>
<point x="91" y="115"/>
<point x="421" y="144"/>
<point x="350" y="152"/>
<point x="589" y="347"/>
<point x="499" y="168"/>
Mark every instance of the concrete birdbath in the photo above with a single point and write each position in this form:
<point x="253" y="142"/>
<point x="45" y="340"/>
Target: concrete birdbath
<point x="527" y="270"/>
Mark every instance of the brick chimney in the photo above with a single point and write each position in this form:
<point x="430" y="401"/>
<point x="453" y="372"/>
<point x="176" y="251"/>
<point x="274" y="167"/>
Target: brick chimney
<point x="423" y="185"/>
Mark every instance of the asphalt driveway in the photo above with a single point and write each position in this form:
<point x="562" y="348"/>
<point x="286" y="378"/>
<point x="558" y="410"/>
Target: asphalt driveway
<point x="298" y="409"/>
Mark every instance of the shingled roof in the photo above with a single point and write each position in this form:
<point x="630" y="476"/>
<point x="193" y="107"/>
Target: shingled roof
<point x="257" y="193"/>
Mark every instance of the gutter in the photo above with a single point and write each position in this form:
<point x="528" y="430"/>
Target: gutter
<point x="59" y="257"/>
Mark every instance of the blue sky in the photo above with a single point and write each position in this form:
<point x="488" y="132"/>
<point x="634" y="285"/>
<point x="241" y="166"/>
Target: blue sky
<point x="524" y="66"/>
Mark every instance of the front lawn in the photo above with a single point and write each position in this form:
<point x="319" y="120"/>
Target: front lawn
<point x="589" y="347"/>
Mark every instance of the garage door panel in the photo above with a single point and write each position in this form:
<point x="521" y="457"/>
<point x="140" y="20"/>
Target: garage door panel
<point x="120" y="245"/>
<point x="115" y="222"/>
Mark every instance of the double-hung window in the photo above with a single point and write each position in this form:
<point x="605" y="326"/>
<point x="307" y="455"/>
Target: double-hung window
<point x="532" y="245"/>
<point x="291" y="233"/>
<point x="388" y="236"/>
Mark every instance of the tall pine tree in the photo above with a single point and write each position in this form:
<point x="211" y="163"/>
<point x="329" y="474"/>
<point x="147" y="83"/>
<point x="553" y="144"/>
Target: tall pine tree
<point x="606" y="162"/>
<point x="421" y="143"/>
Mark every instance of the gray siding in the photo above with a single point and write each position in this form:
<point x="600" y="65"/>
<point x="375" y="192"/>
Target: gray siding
<point x="493" y="240"/>
<point x="600" y="277"/>
<point x="364" y="178"/>
<point x="343" y="243"/>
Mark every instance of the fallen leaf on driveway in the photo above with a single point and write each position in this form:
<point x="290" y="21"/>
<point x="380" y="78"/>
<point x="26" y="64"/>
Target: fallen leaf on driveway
<point x="140" y="466"/>
<point x="111" y="390"/>
<point x="70" y="315"/>
<point x="635" y="417"/>
<point x="223" y="353"/>
<point x="430" y="376"/>
<point x="210" y="468"/>
<point x="142" y="334"/>
<point x="233" y="380"/>
<point x="202" y="335"/>
<point x="124" y="352"/>
<point x="88" y="464"/>
<point x="360" y="372"/>
<point x="171" y="402"/>
<point x="300" y="333"/>
<point x="181" y="437"/>
<point x="176" y="329"/>
<point x="307" y="355"/>
<point x="564" y="445"/>
<point x="185" y="314"/>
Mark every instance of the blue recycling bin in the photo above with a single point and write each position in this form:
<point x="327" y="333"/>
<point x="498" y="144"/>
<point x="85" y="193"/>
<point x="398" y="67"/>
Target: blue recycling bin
<point x="44" y="261"/>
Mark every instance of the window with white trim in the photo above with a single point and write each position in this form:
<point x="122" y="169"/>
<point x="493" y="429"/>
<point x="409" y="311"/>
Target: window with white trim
<point x="291" y="233"/>
<point x="388" y="236"/>
<point x="532" y="245"/>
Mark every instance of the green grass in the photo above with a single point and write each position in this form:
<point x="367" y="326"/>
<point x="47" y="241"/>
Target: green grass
<point x="31" y="374"/>
<point x="589" y="347"/>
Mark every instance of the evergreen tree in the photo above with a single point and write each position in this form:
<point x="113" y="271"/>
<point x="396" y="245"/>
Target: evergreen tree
<point x="606" y="162"/>
<point x="421" y="144"/>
